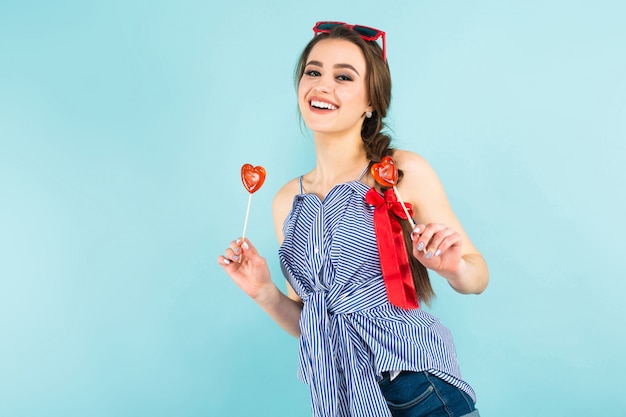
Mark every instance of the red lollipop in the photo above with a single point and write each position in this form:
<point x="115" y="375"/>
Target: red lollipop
<point x="385" y="173"/>
<point x="252" y="178"/>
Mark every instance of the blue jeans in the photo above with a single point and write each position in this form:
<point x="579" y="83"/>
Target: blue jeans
<point x="420" y="394"/>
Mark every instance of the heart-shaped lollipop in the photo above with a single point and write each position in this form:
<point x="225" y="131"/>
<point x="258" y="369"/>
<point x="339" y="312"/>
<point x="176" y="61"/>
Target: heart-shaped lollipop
<point x="385" y="172"/>
<point x="252" y="177"/>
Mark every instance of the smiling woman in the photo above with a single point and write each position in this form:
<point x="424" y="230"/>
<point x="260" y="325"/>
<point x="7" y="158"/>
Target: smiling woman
<point x="331" y="93"/>
<point x="123" y="125"/>
<point x="362" y="352"/>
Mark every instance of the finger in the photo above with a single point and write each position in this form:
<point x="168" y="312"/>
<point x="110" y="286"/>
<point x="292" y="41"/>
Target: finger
<point x="434" y="246"/>
<point x="235" y="246"/>
<point x="224" y="261"/>
<point x="239" y="249"/>
<point x="231" y="255"/>
<point x="425" y="235"/>
<point x="247" y="247"/>
<point x="416" y="234"/>
<point x="449" y="241"/>
<point x="234" y="253"/>
<point x="417" y="230"/>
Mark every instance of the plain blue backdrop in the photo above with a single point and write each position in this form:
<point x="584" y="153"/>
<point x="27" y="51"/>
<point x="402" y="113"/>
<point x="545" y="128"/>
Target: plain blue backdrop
<point x="123" y="126"/>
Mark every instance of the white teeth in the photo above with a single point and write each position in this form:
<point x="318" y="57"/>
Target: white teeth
<point x="323" y="105"/>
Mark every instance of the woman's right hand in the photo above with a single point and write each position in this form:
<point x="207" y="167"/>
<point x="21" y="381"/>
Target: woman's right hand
<point x="247" y="269"/>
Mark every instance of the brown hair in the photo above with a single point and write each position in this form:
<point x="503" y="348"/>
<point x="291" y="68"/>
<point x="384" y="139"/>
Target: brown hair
<point x="377" y="144"/>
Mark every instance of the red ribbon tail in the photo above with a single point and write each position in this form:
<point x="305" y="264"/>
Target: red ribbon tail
<point x="394" y="261"/>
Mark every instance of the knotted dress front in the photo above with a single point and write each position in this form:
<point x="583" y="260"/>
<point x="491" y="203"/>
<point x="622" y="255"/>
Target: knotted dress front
<point x="350" y="333"/>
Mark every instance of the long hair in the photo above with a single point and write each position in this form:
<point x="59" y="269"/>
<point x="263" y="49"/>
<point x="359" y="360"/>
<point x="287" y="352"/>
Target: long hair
<point x="376" y="143"/>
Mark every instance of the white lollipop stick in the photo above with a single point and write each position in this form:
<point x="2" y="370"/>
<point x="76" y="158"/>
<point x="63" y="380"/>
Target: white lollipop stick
<point x="413" y="224"/>
<point x="404" y="207"/>
<point x="245" y="223"/>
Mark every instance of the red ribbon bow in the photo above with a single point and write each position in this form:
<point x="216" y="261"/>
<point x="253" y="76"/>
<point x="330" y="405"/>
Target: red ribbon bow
<point x="394" y="261"/>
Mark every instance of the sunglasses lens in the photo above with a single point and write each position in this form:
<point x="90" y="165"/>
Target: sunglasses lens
<point x="367" y="32"/>
<point x="327" y="26"/>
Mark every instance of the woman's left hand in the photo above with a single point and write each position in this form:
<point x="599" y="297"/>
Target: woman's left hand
<point x="438" y="247"/>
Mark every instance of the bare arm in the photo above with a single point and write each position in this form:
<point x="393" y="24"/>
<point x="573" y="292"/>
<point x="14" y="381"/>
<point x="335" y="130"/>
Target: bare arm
<point x="250" y="272"/>
<point x="281" y="207"/>
<point x="439" y="243"/>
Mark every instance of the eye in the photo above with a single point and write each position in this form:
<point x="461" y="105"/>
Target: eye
<point x="312" y="73"/>
<point x="344" y="77"/>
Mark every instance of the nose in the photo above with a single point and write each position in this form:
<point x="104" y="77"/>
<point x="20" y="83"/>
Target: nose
<point x="323" y="86"/>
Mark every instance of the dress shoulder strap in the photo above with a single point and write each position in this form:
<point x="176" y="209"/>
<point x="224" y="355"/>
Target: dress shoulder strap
<point x="300" y="183"/>
<point x="364" y="172"/>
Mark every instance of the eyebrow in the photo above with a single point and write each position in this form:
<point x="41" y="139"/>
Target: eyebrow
<point x="348" y="66"/>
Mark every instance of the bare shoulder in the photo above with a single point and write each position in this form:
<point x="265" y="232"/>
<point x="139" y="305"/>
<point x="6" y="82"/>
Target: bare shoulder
<point x="420" y="184"/>
<point x="412" y="164"/>
<point x="285" y="195"/>
<point x="282" y="203"/>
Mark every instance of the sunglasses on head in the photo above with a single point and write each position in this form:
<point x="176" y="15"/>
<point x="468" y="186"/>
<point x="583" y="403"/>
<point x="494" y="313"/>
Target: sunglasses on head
<point x="366" y="33"/>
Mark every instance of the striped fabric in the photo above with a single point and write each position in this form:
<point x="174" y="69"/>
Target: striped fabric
<point x="350" y="331"/>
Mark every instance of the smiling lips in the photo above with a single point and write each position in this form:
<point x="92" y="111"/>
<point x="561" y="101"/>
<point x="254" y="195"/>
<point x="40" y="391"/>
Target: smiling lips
<point x="323" y="105"/>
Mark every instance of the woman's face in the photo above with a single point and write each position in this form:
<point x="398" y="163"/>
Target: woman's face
<point x="332" y="95"/>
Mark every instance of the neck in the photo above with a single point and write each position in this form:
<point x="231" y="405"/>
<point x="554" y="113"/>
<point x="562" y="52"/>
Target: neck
<point x="338" y="160"/>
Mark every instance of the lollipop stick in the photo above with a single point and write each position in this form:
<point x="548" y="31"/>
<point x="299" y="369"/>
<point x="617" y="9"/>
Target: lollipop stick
<point x="245" y="224"/>
<point x="404" y="207"/>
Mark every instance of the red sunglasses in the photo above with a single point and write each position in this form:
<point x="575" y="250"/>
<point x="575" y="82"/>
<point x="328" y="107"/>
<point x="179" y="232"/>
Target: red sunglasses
<point x="365" y="32"/>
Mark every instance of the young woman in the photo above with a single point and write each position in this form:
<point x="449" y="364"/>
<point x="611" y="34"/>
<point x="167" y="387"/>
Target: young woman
<point x="366" y="348"/>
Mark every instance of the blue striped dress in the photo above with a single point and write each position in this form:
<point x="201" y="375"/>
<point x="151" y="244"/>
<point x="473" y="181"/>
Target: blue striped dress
<point x="350" y="333"/>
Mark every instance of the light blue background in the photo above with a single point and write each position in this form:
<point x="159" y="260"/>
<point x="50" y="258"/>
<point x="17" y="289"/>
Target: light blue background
<point x="123" y="125"/>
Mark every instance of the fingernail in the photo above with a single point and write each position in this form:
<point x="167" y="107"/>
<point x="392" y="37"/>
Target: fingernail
<point x="438" y="252"/>
<point x="245" y="245"/>
<point x="235" y="257"/>
<point x="420" y="246"/>
<point x="429" y="255"/>
<point x="236" y="250"/>
<point x="416" y="230"/>
<point x="226" y="261"/>
<point x="238" y="241"/>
